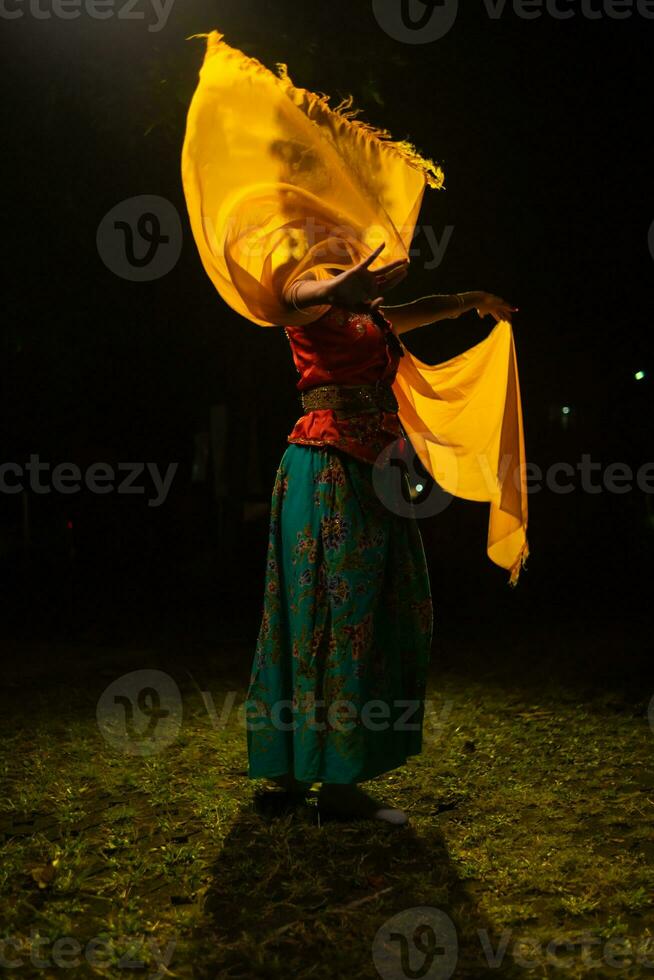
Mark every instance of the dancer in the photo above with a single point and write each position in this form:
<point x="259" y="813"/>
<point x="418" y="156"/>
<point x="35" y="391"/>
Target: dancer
<point x="341" y="663"/>
<point x="281" y="196"/>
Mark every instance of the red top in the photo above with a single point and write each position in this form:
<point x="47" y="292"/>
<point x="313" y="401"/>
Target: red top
<point x="350" y="349"/>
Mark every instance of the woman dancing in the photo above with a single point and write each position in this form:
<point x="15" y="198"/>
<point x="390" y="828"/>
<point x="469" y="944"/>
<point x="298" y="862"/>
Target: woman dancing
<point x="285" y="200"/>
<point x="339" y="677"/>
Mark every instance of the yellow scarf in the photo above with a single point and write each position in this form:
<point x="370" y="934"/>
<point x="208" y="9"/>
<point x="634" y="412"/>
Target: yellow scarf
<point x="279" y="185"/>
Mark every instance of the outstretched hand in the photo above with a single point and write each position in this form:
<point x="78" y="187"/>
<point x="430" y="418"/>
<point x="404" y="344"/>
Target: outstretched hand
<point x="360" y="290"/>
<point x="496" y="306"/>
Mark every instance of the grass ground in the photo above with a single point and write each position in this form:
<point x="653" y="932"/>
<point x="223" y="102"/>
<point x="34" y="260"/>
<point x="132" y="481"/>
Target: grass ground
<point x="531" y="824"/>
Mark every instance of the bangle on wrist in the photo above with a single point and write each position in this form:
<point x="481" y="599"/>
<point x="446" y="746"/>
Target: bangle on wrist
<point x="292" y="293"/>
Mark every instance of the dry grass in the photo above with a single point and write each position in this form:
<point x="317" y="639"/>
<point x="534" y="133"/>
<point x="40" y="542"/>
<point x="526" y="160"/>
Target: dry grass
<point x="531" y="823"/>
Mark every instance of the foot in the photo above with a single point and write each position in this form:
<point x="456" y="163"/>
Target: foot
<point x="291" y="785"/>
<point x="348" y="800"/>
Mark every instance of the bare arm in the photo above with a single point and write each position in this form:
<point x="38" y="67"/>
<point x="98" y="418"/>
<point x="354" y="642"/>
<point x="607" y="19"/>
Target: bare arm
<point x="430" y="309"/>
<point x="308" y="292"/>
<point x="357" y="289"/>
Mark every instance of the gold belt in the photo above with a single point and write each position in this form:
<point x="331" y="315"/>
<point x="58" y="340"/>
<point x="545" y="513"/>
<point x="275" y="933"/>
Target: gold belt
<point x="350" y="399"/>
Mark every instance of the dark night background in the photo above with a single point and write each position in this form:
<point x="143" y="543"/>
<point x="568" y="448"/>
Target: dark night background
<point x="542" y="128"/>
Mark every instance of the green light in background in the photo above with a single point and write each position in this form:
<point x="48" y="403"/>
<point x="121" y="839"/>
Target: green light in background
<point x="565" y="410"/>
<point x="639" y="375"/>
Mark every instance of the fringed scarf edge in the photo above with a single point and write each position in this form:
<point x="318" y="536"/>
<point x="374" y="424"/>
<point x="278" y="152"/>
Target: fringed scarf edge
<point x="518" y="565"/>
<point x="343" y="112"/>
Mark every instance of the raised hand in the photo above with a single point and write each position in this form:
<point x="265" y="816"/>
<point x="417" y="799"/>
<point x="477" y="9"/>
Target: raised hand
<point x="360" y="290"/>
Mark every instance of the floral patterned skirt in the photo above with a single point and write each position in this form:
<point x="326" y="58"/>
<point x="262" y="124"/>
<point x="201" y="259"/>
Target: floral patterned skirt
<point x="338" y="681"/>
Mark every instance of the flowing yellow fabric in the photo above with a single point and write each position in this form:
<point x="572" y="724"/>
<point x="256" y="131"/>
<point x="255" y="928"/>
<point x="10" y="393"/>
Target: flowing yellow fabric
<point x="279" y="186"/>
<point x="464" y="420"/>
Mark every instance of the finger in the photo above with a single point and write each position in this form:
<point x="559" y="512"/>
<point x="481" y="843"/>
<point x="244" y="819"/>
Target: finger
<point x="385" y="269"/>
<point x="392" y="279"/>
<point x="376" y="303"/>
<point x="390" y="270"/>
<point x="371" y="258"/>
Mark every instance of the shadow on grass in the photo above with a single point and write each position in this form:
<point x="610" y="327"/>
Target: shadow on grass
<point x="296" y="895"/>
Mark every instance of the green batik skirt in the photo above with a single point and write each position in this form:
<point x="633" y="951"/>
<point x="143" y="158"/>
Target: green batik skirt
<point x="338" y="680"/>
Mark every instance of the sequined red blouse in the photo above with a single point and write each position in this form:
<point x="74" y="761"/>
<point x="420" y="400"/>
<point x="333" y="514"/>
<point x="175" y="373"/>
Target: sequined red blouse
<point x="350" y="349"/>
